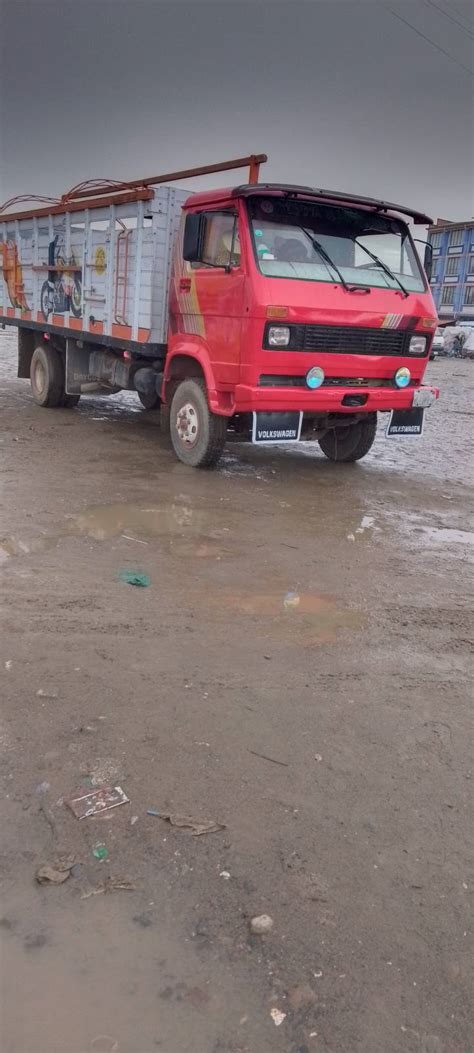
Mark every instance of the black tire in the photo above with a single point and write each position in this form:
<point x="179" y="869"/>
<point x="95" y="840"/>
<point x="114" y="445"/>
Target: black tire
<point x="149" y="401"/>
<point x="47" y="376"/>
<point x="352" y="443"/>
<point x="197" y="435"/>
<point x="47" y="379"/>
<point x="69" y="401"/>
<point x="165" y="423"/>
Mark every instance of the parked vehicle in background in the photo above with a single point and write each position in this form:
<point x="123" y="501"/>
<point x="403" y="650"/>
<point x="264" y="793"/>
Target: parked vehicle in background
<point x="266" y="312"/>
<point x="437" y="346"/>
<point x="458" y="340"/>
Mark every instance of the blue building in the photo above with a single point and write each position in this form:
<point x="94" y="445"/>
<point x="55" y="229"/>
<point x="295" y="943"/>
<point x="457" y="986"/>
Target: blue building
<point x="452" y="279"/>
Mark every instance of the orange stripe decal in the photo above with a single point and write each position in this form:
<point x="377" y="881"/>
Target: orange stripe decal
<point x="123" y="332"/>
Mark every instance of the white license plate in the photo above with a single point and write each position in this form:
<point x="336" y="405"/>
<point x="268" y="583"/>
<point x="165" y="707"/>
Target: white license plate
<point x="423" y="398"/>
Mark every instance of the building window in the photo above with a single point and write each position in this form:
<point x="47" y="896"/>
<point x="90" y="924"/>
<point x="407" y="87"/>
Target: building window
<point x="469" y="295"/>
<point x="436" y="239"/>
<point x="470" y="268"/>
<point x="456" y="238"/>
<point x="452" y="266"/>
<point x="447" y="295"/>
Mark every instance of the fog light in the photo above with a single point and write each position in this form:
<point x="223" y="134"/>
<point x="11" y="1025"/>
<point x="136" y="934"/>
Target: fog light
<point x="402" y="377"/>
<point x="315" y="377"/>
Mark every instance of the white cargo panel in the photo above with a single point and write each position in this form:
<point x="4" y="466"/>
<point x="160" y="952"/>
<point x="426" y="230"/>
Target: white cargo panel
<point x="100" y="271"/>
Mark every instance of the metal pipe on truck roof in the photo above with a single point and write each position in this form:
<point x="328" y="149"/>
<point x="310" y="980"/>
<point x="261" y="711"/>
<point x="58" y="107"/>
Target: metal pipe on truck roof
<point x="252" y="160"/>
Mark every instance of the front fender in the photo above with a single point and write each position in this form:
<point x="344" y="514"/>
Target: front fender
<point x="195" y="349"/>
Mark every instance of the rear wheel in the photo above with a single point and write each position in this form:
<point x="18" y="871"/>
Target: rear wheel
<point x="351" y="443"/>
<point x="69" y="401"/>
<point x="47" y="379"/>
<point x="197" y="435"/>
<point x="149" y="400"/>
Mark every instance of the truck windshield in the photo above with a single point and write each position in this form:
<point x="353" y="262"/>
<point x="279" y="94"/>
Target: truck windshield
<point x="365" y="247"/>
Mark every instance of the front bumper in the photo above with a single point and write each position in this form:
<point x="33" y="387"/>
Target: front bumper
<point x="327" y="400"/>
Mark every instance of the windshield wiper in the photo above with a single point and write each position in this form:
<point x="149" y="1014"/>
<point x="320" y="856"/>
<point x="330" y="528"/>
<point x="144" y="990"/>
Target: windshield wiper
<point x="326" y="257"/>
<point x="383" y="265"/>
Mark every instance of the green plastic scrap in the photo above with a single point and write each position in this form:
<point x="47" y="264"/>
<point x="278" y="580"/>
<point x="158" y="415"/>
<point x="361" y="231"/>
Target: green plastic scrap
<point x="135" y="577"/>
<point x="100" y="852"/>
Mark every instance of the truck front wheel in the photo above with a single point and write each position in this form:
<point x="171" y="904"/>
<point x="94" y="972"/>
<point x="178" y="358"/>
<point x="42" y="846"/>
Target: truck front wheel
<point x="351" y="443"/>
<point x="198" y="436"/>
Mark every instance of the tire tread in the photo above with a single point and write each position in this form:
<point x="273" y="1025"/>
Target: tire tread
<point x="217" y="427"/>
<point x="368" y="429"/>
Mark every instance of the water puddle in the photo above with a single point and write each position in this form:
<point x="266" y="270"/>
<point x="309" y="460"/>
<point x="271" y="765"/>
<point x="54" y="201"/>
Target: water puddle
<point x="449" y="542"/>
<point x="110" y="521"/>
<point x="367" y="524"/>
<point x="12" y="546"/>
<point x="186" y="530"/>
<point x="307" y="618"/>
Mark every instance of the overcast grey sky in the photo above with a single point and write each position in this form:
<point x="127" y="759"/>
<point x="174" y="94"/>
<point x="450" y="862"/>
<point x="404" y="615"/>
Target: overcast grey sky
<point x="339" y="93"/>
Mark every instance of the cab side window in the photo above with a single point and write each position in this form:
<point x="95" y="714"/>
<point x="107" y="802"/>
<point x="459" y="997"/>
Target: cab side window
<point x="221" y="245"/>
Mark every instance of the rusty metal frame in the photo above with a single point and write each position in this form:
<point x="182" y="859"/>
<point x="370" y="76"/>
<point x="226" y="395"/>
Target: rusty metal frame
<point x="115" y="193"/>
<point x="253" y="161"/>
<point x="79" y="206"/>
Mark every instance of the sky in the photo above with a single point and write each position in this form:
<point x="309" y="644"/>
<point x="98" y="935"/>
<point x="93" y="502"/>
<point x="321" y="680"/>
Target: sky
<point x="341" y="94"/>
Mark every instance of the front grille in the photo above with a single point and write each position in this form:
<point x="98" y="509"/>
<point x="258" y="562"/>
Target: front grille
<point x="345" y="340"/>
<point x="278" y="380"/>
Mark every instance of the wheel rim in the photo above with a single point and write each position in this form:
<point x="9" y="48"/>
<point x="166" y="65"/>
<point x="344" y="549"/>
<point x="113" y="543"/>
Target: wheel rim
<point x="76" y="297"/>
<point x="39" y="378"/>
<point x="187" y="424"/>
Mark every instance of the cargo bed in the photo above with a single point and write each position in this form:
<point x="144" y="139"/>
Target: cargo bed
<point x="97" y="273"/>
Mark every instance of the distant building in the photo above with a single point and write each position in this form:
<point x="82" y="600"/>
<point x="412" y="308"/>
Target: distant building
<point x="452" y="279"/>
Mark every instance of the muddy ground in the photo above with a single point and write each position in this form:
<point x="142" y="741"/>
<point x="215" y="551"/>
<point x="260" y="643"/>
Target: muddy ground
<point x="332" y="736"/>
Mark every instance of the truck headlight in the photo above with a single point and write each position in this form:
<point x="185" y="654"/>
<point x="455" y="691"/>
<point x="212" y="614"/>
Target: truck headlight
<point x="417" y="345"/>
<point x="278" y="336"/>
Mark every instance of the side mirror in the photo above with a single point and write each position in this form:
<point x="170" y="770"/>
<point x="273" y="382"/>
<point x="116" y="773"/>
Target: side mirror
<point x="428" y="261"/>
<point x="194" y="228"/>
<point x="428" y="257"/>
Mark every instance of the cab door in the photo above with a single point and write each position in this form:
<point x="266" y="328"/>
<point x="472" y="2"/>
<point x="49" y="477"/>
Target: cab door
<point x="211" y="294"/>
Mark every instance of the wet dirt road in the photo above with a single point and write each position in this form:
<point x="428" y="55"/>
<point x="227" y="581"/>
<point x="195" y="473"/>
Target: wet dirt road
<point x="299" y="671"/>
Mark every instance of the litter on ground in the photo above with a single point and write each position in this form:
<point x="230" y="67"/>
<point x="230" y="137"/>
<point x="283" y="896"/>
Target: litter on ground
<point x="110" y="885"/>
<point x="187" y="822"/>
<point x="134" y="577"/>
<point x="55" y="873"/>
<point x="96" y="802"/>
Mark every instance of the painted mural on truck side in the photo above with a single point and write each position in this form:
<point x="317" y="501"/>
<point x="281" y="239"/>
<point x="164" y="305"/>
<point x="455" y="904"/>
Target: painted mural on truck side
<point x="61" y="292"/>
<point x="13" y="275"/>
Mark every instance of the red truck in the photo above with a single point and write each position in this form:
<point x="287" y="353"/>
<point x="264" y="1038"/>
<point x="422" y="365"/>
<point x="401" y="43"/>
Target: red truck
<point x="266" y="312"/>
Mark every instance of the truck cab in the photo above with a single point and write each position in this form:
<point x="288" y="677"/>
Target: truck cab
<point x="294" y="314"/>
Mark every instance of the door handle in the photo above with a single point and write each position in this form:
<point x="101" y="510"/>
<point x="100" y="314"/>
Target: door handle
<point x="185" y="284"/>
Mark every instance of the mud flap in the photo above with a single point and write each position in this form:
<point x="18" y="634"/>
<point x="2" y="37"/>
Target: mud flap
<point x="405" y="423"/>
<point x="27" y="341"/>
<point x="277" y="426"/>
